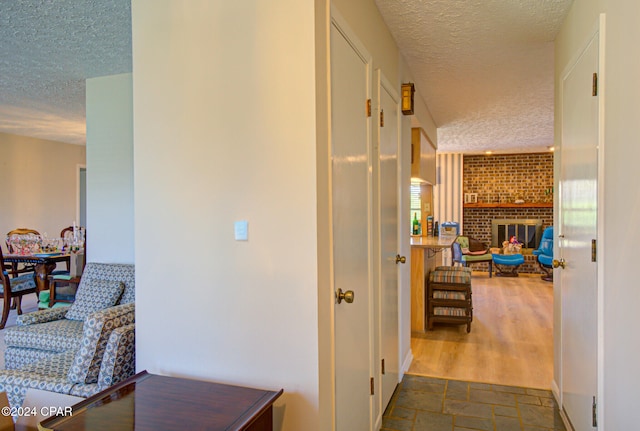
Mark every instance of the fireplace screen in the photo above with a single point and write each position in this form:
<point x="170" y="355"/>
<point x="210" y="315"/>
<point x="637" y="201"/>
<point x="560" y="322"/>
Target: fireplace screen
<point x="527" y="231"/>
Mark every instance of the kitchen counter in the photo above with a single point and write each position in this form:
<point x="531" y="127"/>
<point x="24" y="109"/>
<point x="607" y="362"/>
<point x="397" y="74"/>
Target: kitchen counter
<point x="425" y="256"/>
<point x="434" y="242"/>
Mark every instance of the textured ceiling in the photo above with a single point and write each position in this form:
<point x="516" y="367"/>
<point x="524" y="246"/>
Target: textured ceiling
<point x="47" y="50"/>
<point x="484" y="67"/>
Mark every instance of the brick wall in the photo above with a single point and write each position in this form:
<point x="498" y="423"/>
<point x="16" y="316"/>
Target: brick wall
<point x="503" y="179"/>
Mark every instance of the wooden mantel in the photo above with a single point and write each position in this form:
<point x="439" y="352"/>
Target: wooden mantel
<point x="510" y="205"/>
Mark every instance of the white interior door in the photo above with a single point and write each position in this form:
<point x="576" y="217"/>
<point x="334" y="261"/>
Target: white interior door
<point x="387" y="180"/>
<point x="351" y="221"/>
<point x="578" y="228"/>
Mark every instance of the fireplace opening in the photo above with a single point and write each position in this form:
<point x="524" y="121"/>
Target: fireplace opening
<point x="527" y="231"/>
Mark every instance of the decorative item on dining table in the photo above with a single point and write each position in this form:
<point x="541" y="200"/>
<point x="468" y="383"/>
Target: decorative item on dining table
<point x="76" y="244"/>
<point x="24" y="244"/>
<point x="32" y="244"/>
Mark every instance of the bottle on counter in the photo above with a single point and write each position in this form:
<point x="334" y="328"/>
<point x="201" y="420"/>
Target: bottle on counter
<point x="436" y="228"/>
<point x="415" y="225"/>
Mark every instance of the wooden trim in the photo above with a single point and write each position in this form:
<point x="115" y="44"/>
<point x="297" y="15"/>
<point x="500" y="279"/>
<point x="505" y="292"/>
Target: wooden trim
<point x="525" y="205"/>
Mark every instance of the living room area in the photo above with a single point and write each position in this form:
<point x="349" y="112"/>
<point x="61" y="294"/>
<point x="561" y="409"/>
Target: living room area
<point x="511" y="337"/>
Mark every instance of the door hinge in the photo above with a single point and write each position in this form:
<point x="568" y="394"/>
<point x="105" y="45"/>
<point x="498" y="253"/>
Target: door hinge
<point x="594" y="413"/>
<point x="382" y="118"/>
<point x="373" y="392"/>
<point x="594" y="252"/>
<point x="383" y="366"/>
<point x="368" y="107"/>
<point x="594" y="89"/>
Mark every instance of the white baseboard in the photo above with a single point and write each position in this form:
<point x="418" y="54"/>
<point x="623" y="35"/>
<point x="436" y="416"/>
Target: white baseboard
<point x="407" y="362"/>
<point x="555" y="390"/>
<point x="378" y="424"/>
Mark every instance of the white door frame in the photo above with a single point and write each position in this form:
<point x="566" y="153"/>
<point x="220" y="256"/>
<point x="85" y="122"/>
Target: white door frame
<point x="79" y="168"/>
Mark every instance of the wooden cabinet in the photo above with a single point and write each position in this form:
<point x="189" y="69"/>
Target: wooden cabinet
<point x="449" y="297"/>
<point x="423" y="156"/>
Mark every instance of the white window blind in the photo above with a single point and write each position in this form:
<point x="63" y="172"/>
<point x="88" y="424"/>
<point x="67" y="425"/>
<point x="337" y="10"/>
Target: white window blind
<point x="415" y="200"/>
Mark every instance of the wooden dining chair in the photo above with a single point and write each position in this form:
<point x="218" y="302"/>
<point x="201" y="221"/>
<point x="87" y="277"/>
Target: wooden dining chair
<point x="14" y="289"/>
<point x="62" y="287"/>
<point x="67" y="236"/>
<point x="14" y="268"/>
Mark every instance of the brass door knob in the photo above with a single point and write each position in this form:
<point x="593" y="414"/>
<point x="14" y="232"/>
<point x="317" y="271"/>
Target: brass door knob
<point x="559" y="263"/>
<point x="347" y="296"/>
<point x="400" y="259"/>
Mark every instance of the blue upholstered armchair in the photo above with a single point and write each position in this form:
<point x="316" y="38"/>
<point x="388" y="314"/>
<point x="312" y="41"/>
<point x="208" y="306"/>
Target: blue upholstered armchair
<point x="544" y="254"/>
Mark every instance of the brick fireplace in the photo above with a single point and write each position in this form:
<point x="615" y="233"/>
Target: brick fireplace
<point x="499" y="181"/>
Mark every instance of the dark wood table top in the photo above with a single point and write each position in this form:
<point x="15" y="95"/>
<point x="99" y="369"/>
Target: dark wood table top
<point x="152" y="402"/>
<point x="36" y="258"/>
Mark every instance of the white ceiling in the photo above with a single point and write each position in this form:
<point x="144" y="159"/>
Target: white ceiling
<point x="484" y="67"/>
<point x="48" y="48"/>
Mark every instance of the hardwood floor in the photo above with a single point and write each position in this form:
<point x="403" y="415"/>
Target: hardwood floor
<point x="511" y="339"/>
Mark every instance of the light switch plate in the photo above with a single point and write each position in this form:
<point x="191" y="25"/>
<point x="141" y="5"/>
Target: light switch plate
<point x="241" y="230"/>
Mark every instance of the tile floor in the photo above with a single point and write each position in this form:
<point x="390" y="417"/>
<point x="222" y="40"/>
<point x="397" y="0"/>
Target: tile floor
<point x="426" y="403"/>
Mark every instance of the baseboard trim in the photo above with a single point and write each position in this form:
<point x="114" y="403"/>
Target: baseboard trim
<point x="378" y="424"/>
<point x="407" y="362"/>
<point x="555" y="390"/>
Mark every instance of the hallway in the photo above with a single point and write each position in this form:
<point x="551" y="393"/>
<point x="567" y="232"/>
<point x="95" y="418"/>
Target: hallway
<point x="429" y="404"/>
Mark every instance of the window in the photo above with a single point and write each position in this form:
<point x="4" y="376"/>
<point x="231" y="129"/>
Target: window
<point x="416" y="202"/>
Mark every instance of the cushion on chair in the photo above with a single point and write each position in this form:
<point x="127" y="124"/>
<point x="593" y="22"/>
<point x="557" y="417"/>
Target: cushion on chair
<point x="57" y="335"/>
<point x="463" y="241"/>
<point x="93" y="296"/>
<point x="479" y="258"/>
<point x="452" y="268"/>
<point x="113" y="272"/>
<point x="450" y="275"/>
<point x="18" y="284"/>
<point x="43" y="301"/>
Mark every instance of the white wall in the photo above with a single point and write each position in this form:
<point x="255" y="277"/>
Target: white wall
<point x="39" y="185"/>
<point x="620" y="354"/>
<point x="224" y="130"/>
<point x="110" y="169"/>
